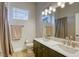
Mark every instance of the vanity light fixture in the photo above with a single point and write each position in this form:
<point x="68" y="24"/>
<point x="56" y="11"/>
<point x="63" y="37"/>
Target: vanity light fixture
<point x="54" y="9"/>
<point x="59" y="4"/>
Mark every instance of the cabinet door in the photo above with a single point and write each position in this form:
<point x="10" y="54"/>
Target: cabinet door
<point x="35" y="48"/>
<point x="40" y="50"/>
<point x="53" y="53"/>
<point x="47" y="52"/>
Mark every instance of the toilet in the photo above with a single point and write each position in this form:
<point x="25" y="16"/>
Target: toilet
<point x="28" y="44"/>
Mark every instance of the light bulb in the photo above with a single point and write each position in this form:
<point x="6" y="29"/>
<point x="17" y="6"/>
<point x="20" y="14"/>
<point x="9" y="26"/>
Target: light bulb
<point x="50" y="8"/>
<point x="54" y="10"/>
<point x="49" y="12"/>
<point x="59" y="3"/>
<point x="63" y="5"/>
<point x="46" y="10"/>
<point x="43" y="12"/>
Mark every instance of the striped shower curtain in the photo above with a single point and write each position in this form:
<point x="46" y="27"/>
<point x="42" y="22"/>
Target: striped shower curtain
<point x="4" y="31"/>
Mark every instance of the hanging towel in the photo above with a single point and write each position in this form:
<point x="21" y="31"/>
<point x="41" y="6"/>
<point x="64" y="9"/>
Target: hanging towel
<point x="16" y="31"/>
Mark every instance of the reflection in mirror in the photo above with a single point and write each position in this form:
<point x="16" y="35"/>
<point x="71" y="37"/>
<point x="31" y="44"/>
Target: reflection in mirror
<point x="64" y="22"/>
<point x="61" y="27"/>
<point x="48" y="26"/>
<point x="54" y="27"/>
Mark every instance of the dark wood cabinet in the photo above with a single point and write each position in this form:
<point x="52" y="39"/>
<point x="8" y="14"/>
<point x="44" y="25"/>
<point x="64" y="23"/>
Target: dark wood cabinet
<point x="41" y="50"/>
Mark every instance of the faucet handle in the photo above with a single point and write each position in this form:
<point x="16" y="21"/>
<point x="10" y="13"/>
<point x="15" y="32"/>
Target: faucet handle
<point x="71" y="37"/>
<point x="67" y="38"/>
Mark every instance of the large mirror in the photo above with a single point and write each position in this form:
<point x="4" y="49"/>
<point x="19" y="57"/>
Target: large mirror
<point x="64" y="22"/>
<point x="48" y="26"/>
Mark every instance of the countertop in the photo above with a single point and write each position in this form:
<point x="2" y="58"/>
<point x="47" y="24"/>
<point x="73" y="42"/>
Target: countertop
<point x="52" y="44"/>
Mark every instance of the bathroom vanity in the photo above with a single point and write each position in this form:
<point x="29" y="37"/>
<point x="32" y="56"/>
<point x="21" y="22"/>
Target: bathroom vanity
<point x="41" y="50"/>
<point x="53" y="48"/>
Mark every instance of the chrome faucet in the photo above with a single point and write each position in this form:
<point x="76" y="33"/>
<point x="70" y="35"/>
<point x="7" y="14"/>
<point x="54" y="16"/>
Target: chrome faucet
<point x="69" y="40"/>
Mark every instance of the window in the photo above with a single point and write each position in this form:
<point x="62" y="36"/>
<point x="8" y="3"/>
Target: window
<point x="20" y="14"/>
<point x="47" y="19"/>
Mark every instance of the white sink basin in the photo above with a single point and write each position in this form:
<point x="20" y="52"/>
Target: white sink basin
<point x="61" y="46"/>
<point x="51" y="42"/>
<point x="58" y="44"/>
<point x="68" y="49"/>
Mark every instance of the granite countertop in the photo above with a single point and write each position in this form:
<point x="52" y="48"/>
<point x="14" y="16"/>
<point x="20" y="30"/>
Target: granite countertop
<point x="52" y="44"/>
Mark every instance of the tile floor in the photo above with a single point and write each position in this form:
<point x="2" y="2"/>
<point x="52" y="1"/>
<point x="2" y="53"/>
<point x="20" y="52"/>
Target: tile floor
<point x="24" y="53"/>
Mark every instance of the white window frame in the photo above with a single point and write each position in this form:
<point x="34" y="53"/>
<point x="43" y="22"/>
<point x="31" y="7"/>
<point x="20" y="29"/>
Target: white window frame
<point x="23" y="14"/>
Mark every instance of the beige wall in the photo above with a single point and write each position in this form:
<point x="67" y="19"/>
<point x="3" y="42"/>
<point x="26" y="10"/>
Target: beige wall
<point x="39" y="25"/>
<point x="28" y="31"/>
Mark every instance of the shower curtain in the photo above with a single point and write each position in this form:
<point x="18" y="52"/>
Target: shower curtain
<point x="61" y="27"/>
<point x="4" y="31"/>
